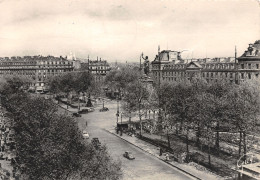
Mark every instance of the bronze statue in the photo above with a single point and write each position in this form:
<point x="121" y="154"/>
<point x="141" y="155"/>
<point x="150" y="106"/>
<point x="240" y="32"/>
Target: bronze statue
<point x="146" y="64"/>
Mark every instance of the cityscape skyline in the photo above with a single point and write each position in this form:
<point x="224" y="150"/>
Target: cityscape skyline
<point x="121" y="30"/>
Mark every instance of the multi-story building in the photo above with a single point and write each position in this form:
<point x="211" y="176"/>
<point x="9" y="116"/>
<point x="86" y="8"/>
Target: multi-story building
<point x="38" y="68"/>
<point x="165" y="57"/>
<point x="169" y="66"/>
<point x="99" y="68"/>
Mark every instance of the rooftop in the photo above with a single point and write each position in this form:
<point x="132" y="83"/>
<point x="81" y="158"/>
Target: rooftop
<point x="31" y="58"/>
<point x="252" y="52"/>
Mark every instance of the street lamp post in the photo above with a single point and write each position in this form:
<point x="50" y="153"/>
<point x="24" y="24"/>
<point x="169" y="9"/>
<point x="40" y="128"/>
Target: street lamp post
<point x="236" y="67"/>
<point x="121" y="128"/>
<point x="121" y="117"/>
<point x="117" y="115"/>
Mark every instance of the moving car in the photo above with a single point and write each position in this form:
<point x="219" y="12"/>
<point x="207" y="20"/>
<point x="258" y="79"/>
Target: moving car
<point x="128" y="155"/>
<point x="85" y="134"/>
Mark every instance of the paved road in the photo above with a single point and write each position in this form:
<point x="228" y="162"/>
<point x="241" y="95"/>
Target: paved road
<point x="145" y="166"/>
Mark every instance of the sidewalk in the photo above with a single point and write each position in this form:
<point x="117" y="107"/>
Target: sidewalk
<point x="192" y="169"/>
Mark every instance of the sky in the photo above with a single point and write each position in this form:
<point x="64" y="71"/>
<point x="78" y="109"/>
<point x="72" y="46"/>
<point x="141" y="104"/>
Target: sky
<point x="120" y="30"/>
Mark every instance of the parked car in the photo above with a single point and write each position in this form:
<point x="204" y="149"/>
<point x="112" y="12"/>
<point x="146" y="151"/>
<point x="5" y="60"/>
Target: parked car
<point x="96" y="143"/>
<point x="129" y="155"/>
<point x="76" y="114"/>
<point x="90" y="109"/>
<point x="85" y="134"/>
<point x="104" y="109"/>
<point x="83" y="111"/>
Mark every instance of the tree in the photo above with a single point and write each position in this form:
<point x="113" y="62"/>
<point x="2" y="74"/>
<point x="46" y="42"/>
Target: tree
<point x="177" y="101"/>
<point x="55" y="85"/>
<point x="136" y="96"/>
<point x="120" y="79"/>
<point x="49" y="145"/>
<point x="82" y="81"/>
<point x="244" y="109"/>
<point x="218" y="113"/>
<point x="77" y="82"/>
<point x="207" y="114"/>
<point x="166" y="97"/>
<point x="13" y="83"/>
<point x="199" y="87"/>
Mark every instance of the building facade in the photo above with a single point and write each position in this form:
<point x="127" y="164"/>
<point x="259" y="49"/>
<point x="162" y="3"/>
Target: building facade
<point x="99" y="68"/>
<point x="37" y="68"/>
<point x="169" y="66"/>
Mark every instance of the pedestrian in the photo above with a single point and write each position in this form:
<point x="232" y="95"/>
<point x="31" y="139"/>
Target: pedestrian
<point x="160" y="151"/>
<point x="86" y="123"/>
<point x="167" y="157"/>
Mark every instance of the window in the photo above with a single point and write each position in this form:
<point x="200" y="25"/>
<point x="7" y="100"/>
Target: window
<point x="257" y="66"/>
<point x="242" y="75"/>
<point x="249" y="66"/>
<point x="249" y="76"/>
<point x="242" y="66"/>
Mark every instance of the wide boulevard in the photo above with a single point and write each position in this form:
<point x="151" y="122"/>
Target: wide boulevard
<point x="145" y="166"/>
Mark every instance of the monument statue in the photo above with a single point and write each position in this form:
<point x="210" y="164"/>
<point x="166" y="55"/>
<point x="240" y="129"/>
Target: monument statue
<point x="146" y="64"/>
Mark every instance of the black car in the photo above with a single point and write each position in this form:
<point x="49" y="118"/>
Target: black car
<point x="129" y="155"/>
<point x="83" y="111"/>
<point x="75" y="114"/>
<point x="104" y="109"/>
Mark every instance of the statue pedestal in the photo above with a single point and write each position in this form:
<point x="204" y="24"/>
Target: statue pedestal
<point x="147" y="81"/>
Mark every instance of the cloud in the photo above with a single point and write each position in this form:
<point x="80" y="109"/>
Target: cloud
<point x="119" y="13"/>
